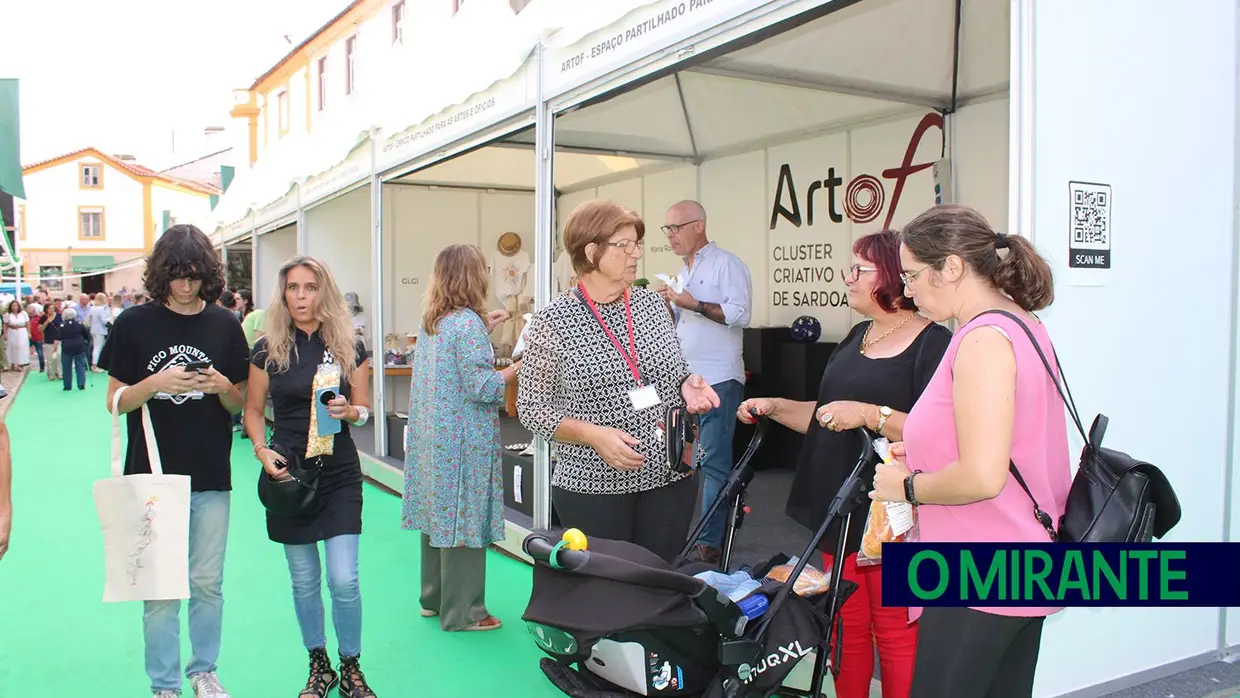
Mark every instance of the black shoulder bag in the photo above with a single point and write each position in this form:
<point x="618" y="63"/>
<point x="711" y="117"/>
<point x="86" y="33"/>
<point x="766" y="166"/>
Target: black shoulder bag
<point x="1114" y="497"/>
<point x="295" y="496"/>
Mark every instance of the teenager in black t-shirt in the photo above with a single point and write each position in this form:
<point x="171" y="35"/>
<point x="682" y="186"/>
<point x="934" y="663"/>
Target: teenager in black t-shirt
<point x="148" y="350"/>
<point x="309" y="344"/>
<point x="872" y="380"/>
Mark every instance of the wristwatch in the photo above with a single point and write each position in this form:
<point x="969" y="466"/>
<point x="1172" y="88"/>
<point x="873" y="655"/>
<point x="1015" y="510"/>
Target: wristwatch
<point x="883" y="413"/>
<point x="701" y="308"/>
<point x="908" y="489"/>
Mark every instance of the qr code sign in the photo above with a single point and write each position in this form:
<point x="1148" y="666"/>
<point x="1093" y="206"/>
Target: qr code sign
<point x="1091" y="216"/>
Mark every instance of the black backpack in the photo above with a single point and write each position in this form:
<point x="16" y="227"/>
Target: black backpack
<point x="1114" y="497"/>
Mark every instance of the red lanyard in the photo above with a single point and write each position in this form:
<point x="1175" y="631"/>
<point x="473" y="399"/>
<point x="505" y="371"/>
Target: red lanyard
<point x="630" y="357"/>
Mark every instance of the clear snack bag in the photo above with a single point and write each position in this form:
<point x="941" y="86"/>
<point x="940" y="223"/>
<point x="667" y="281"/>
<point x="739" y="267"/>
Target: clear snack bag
<point x="811" y="581"/>
<point x="888" y="522"/>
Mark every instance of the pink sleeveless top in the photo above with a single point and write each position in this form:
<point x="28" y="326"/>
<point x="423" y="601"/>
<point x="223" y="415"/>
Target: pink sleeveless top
<point x="1039" y="449"/>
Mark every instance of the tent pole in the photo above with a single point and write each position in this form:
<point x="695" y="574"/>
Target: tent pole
<point x="684" y="109"/>
<point x="261" y="302"/>
<point x="544" y="254"/>
<point x="302" y="246"/>
<point x="1020" y="121"/>
<point x="377" y="362"/>
<point x="956" y="59"/>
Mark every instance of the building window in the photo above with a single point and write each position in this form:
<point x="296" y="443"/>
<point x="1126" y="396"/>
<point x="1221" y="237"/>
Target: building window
<point x="49" y="277"/>
<point x="350" y="64"/>
<point x="90" y="223"/>
<point x="282" y="105"/>
<point x="322" y="83"/>
<point x="92" y="177"/>
<point x="398" y="22"/>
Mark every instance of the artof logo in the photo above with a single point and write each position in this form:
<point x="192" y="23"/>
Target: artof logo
<point x="864" y="197"/>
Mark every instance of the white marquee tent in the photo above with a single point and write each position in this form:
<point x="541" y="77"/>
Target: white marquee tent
<point x="646" y="91"/>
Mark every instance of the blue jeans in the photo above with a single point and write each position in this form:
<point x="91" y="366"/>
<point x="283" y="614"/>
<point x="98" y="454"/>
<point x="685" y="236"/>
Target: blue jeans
<point x="717" y="429"/>
<point x="161" y="620"/>
<point x="303" y="567"/>
<point x="73" y="363"/>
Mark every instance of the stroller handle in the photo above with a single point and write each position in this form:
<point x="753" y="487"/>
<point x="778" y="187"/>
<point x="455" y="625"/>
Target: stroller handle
<point x="604" y="566"/>
<point x="542" y="550"/>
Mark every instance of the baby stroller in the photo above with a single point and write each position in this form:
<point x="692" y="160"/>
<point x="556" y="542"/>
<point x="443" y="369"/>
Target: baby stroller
<point x="618" y="621"/>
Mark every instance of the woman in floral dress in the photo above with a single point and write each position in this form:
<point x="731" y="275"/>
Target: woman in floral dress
<point x="453" y="479"/>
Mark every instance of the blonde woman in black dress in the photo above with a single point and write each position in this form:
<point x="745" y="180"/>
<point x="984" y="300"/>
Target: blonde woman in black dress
<point x="309" y="332"/>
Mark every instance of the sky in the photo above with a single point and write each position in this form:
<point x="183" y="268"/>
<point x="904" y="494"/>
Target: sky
<point x="122" y="75"/>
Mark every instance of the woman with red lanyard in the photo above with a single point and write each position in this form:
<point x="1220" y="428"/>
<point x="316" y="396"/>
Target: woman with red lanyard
<point x="602" y="364"/>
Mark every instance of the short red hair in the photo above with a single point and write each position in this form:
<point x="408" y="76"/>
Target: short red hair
<point x="882" y="249"/>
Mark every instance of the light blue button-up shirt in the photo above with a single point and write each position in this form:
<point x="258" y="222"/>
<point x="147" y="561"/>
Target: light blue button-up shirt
<point x="714" y="351"/>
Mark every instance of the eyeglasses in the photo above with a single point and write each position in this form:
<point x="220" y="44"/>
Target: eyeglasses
<point x="629" y="246"/>
<point x="854" y="272"/>
<point x="671" y="228"/>
<point x="906" y="277"/>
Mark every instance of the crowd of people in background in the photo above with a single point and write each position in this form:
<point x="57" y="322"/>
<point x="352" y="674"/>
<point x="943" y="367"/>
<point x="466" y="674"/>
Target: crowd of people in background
<point x="65" y="335"/>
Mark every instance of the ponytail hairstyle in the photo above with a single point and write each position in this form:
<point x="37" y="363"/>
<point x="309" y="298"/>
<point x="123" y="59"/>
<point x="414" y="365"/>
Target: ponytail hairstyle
<point x="1009" y="261"/>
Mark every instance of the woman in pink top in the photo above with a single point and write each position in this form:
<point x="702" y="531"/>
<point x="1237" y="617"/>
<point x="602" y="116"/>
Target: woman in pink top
<point x="990" y="402"/>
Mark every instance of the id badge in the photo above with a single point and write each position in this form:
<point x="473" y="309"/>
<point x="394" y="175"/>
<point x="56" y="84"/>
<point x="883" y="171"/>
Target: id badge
<point x="644" y="398"/>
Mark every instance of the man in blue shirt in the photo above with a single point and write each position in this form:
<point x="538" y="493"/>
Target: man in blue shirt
<point x="712" y="308"/>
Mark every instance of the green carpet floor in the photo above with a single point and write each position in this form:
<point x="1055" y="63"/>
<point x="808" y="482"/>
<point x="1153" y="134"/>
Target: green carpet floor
<point x="58" y="639"/>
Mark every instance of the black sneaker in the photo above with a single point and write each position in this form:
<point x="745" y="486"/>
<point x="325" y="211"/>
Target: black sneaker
<point x="352" y="681"/>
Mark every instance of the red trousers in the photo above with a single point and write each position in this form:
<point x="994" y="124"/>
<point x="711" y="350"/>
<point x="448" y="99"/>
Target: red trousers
<point x="868" y="624"/>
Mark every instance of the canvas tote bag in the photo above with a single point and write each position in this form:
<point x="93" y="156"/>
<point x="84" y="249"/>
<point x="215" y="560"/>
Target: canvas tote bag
<point x="145" y="522"/>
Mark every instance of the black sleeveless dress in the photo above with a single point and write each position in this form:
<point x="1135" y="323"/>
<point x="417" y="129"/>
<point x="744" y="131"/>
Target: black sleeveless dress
<point x="338" y="504"/>
<point x="827" y="457"/>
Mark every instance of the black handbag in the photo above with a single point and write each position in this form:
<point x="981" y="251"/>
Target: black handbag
<point x="1114" y="497"/>
<point x="680" y="438"/>
<point x="295" y="496"/>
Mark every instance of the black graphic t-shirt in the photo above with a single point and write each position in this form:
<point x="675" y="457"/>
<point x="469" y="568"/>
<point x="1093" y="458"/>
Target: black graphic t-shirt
<point x="194" y="430"/>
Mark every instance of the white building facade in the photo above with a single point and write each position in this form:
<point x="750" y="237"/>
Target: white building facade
<point x="89" y="218"/>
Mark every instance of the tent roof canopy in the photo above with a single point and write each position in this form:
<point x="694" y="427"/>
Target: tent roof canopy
<point x="509" y="164"/>
<point x="871" y="60"/>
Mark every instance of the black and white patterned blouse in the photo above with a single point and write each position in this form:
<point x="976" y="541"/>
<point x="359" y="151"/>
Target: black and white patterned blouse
<point x="572" y="369"/>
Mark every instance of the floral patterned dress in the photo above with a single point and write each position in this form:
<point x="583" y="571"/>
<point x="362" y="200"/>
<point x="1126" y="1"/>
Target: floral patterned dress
<point x="453" y="475"/>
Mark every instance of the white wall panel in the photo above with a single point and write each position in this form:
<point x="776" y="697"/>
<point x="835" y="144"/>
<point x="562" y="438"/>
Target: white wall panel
<point x="338" y="234"/>
<point x="1092" y="122"/>
<point x="419" y="222"/>
<point x="274" y="249"/>
<point x="661" y="191"/>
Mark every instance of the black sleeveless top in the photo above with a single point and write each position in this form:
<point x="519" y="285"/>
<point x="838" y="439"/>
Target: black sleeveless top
<point x="337" y="508"/>
<point x="827" y="457"/>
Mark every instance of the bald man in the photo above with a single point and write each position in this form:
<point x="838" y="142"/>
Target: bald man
<point x="711" y="313"/>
